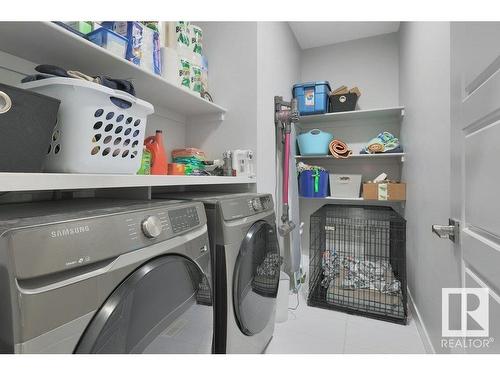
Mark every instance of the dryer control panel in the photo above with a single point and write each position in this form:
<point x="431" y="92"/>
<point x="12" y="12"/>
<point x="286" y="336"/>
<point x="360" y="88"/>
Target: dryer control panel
<point x="240" y="207"/>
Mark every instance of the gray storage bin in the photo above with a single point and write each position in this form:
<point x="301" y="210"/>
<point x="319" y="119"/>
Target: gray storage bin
<point x="27" y="120"/>
<point x="345" y="185"/>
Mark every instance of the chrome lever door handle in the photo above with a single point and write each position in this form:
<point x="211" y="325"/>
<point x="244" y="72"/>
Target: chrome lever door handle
<point x="450" y="231"/>
<point x="443" y="231"/>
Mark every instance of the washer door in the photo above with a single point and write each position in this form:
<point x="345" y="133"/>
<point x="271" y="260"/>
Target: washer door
<point x="165" y="306"/>
<point x="256" y="278"/>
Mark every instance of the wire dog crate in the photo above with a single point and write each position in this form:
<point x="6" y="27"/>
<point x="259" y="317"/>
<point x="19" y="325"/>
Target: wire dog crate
<point x="357" y="261"/>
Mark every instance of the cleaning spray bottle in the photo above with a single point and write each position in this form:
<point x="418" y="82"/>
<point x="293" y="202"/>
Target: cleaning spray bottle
<point x="154" y="145"/>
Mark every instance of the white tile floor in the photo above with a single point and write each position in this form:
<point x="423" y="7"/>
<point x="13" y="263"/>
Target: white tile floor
<point x="311" y="330"/>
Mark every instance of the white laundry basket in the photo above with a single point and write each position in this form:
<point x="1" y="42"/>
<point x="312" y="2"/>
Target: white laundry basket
<point x="98" y="130"/>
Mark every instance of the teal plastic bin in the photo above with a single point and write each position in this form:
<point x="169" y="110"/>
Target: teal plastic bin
<point x="314" y="142"/>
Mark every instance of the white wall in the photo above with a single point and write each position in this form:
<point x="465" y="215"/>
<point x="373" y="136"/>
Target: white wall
<point x="278" y="61"/>
<point x="425" y="91"/>
<point x="231" y="49"/>
<point x="372" y="64"/>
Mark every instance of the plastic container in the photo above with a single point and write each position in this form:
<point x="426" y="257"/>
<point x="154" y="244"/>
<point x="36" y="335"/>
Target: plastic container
<point x="99" y="130"/>
<point x="154" y="144"/>
<point x="345" y="185"/>
<point x="143" y="43"/>
<point x="313" y="184"/>
<point x="27" y="120"/>
<point x="312" y="97"/>
<point x="176" y="169"/>
<point x="107" y="39"/>
<point x="314" y="142"/>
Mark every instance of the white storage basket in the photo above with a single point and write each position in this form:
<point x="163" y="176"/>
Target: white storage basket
<point x="98" y="130"/>
<point x="345" y="185"/>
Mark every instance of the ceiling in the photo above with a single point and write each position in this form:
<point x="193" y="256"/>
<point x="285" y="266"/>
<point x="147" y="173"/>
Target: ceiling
<point x="317" y="34"/>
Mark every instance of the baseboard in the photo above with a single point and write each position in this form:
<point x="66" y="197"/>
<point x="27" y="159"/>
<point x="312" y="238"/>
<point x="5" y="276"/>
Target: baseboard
<point x="429" y="348"/>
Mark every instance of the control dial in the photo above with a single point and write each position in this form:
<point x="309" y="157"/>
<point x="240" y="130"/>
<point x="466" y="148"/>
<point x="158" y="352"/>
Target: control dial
<point x="257" y="206"/>
<point x="151" y="226"/>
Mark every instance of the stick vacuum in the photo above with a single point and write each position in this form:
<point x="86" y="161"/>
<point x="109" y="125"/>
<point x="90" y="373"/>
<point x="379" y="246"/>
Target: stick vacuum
<point x="286" y="113"/>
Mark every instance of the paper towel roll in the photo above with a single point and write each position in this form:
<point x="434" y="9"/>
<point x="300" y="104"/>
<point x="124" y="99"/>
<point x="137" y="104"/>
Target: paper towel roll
<point x="176" y="69"/>
<point x="184" y="67"/>
<point x="176" y="34"/>
<point x="196" y="78"/>
<point x="196" y="39"/>
<point x="170" y="64"/>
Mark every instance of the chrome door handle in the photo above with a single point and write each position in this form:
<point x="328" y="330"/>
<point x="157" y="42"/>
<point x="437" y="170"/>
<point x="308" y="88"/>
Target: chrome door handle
<point x="450" y="231"/>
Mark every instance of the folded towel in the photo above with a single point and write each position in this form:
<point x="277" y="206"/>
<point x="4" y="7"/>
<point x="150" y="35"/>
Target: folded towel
<point x="384" y="142"/>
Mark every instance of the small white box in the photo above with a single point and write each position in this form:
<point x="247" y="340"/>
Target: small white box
<point x="345" y="185"/>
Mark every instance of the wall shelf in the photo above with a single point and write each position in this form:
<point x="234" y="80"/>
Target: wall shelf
<point x="355" y="156"/>
<point x="63" y="181"/>
<point x="48" y="43"/>
<point x="389" y="114"/>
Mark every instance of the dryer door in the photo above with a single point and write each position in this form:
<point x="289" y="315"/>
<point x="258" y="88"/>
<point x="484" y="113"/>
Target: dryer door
<point x="164" y="306"/>
<point x="256" y="278"/>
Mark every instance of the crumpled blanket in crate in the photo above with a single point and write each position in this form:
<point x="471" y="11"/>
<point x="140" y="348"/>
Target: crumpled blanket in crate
<point x="359" y="273"/>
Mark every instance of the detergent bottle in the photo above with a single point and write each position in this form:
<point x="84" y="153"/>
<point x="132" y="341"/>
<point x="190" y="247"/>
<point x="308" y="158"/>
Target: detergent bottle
<point x="154" y="145"/>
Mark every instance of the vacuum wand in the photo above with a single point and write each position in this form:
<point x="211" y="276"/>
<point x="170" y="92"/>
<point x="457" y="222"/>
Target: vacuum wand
<point x="286" y="113"/>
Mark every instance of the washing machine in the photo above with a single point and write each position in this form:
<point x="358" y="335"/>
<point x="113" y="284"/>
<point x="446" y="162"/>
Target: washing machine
<point x="246" y="264"/>
<point x="105" y="276"/>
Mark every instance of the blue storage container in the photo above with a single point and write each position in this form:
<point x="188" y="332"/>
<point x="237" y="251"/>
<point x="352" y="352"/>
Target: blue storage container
<point x="107" y="39"/>
<point x="314" y="142"/>
<point x="312" y="97"/>
<point x="313" y="183"/>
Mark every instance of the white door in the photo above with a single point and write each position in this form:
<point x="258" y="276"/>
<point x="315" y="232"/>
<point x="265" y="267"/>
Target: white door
<point x="475" y="166"/>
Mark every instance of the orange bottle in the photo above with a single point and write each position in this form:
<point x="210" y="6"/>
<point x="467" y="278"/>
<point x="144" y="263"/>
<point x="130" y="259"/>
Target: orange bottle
<point x="154" y="144"/>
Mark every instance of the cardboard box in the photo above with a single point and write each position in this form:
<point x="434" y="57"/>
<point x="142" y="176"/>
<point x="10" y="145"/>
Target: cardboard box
<point x="384" y="191"/>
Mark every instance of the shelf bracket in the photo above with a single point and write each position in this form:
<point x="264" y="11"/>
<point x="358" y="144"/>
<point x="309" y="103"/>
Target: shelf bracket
<point x="212" y="118"/>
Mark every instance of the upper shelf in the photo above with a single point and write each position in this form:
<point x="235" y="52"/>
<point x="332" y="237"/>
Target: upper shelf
<point x="67" y="181"/>
<point x="48" y="43"/>
<point x="390" y="113"/>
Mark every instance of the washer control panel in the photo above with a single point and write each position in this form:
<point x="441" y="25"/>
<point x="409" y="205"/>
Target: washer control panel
<point x="183" y="219"/>
<point x="64" y="244"/>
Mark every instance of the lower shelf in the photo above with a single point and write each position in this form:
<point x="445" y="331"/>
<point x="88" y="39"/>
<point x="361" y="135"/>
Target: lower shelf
<point x="63" y="181"/>
<point x="360" y="199"/>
